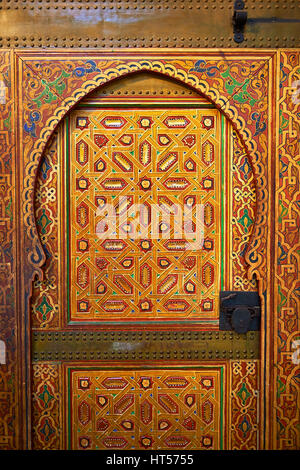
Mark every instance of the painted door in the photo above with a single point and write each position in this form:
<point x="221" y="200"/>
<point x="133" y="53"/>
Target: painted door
<point x="145" y="202"/>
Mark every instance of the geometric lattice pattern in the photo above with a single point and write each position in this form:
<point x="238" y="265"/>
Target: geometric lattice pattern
<point x="239" y="214"/>
<point x="168" y="162"/>
<point x="146" y="409"/>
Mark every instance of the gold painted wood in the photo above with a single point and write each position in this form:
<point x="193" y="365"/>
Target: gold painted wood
<point x="278" y="400"/>
<point x="104" y="169"/>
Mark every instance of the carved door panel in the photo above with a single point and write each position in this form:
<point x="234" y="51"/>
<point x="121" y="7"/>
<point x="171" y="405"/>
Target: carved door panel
<point x="145" y="203"/>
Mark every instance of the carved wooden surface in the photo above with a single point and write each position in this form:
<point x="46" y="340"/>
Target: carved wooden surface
<point x="250" y="89"/>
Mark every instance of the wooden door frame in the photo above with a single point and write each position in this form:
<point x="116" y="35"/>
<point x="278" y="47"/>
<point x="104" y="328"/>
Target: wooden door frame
<point x="254" y="90"/>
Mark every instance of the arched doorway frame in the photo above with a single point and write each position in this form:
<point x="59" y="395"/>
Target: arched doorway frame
<point x="46" y="101"/>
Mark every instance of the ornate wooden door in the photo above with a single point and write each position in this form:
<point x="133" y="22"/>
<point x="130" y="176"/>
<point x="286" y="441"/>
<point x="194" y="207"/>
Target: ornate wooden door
<point x="142" y="189"/>
<point x="145" y="203"/>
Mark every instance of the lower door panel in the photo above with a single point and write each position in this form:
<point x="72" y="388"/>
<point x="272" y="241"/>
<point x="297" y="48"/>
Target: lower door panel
<point x="130" y="406"/>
